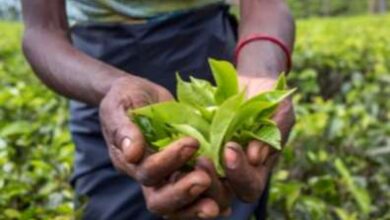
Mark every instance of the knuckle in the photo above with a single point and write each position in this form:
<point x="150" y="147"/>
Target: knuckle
<point x="139" y="99"/>
<point x="118" y="165"/>
<point x="203" y="178"/>
<point x="180" y="200"/>
<point x="144" y="176"/>
<point x="153" y="206"/>
<point x="186" y="142"/>
<point x="190" y="142"/>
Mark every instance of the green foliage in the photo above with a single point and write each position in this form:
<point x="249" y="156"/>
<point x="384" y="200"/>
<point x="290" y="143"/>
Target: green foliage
<point x="35" y="149"/>
<point x="335" y="166"/>
<point x="310" y="8"/>
<point x="214" y="116"/>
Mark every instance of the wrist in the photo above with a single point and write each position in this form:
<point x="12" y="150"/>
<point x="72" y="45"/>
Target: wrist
<point x="271" y="53"/>
<point x="134" y="87"/>
<point x="256" y="84"/>
<point x="253" y="62"/>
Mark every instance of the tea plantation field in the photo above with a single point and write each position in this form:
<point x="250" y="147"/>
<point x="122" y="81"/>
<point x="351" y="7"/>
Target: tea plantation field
<point x="336" y="164"/>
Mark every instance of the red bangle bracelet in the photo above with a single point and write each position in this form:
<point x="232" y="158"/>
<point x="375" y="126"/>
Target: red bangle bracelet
<point x="257" y="37"/>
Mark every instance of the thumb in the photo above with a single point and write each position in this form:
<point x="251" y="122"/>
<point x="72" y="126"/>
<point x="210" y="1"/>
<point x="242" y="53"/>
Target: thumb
<point x="120" y="132"/>
<point x="129" y="139"/>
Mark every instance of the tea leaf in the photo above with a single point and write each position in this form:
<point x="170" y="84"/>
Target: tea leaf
<point x="191" y="131"/>
<point x="225" y="76"/>
<point x="220" y="125"/>
<point x="174" y="113"/>
<point x="281" y="84"/>
<point x="199" y="93"/>
<point x="268" y="134"/>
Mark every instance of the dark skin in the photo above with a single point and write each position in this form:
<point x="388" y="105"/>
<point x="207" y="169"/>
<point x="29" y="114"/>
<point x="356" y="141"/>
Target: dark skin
<point x="198" y="193"/>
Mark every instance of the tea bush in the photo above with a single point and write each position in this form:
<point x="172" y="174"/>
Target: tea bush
<point x="310" y="8"/>
<point x="336" y="164"/>
<point x="35" y="148"/>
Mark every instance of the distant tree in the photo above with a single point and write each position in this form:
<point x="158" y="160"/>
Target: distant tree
<point x="10" y="9"/>
<point x="377" y="6"/>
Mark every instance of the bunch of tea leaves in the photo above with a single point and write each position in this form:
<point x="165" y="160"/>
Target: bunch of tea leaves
<point x="213" y="115"/>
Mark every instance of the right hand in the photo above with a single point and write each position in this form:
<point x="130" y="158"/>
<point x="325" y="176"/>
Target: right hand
<point x="167" y="193"/>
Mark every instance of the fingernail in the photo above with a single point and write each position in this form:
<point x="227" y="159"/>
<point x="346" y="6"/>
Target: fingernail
<point x="256" y="152"/>
<point x="196" y="190"/>
<point x="126" y="143"/>
<point x="231" y="158"/>
<point x="209" y="210"/>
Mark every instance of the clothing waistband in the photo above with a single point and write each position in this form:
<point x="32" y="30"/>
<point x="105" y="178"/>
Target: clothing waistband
<point x="162" y="17"/>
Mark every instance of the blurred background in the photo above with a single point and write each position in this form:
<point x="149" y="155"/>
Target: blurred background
<point x="337" y="162"/>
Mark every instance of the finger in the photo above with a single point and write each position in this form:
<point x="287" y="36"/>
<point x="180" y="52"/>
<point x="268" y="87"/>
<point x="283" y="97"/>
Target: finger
<point x="203" y="209"/>
<point x="176" y="176"/>
<point x="218" y="190"/>
<point x="244" y="179"/>
<point x="164" y="94"/>
<point x="141" y="98"/>
<point x="130" y="140"/>
<point x="156" y="167"/>
<point x="118" y="160"/>
<point x="258" y="152"/>
<point x="174" y="196"/>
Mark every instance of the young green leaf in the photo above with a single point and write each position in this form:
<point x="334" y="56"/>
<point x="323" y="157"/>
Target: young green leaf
<point x="192" y="132"/>
<point x="174" y="113"/>
<point x="225" y="76"/>
<point x="204" y="90"/>
<point x="248" y="111"/>
<point x="220" y="125"/>
<point x="262" y="105"/>
<point x="274" y="96"/>
<point x="161" y="143"/>
<point x="152" y="129"/>
<point x="198" y="93"/>
<point x="281" y="84"/>
<point x="269" y="134"/>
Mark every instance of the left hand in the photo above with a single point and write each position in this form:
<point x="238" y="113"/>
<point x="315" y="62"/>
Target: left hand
<point x="247" y="171"/>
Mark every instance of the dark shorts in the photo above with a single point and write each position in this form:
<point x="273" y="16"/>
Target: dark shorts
<point x="156" y="51"/>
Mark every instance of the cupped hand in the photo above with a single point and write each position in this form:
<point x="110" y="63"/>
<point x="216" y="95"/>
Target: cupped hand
<point x="166" y="192"/>
<point x="247" y="171"/>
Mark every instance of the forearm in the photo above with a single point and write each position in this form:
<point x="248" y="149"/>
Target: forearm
<point x="270" y="17"/>
<point x="65" y="69"/>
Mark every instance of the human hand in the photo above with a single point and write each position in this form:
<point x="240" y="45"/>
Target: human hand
<point x="166" y="192"/>
<point x="247" y="170"/>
